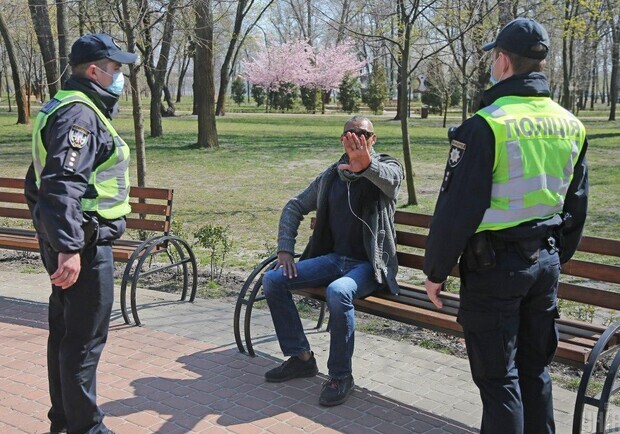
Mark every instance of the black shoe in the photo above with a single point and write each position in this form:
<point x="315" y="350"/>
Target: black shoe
<point x="336" y="391"/>
<point x="294" y="367"/>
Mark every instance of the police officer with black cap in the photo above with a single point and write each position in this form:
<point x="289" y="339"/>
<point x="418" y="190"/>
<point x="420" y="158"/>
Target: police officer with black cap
<point x="512" y="206"/>
<point x="77" y="190"/>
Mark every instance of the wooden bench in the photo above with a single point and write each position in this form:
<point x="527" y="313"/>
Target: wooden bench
<point x="151" y="214"/>
<point x="594" y="282"/>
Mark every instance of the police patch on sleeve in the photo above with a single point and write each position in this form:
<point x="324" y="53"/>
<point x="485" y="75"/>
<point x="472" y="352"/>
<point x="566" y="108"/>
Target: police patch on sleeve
<point x="457" y="150"/>
<point x="78" y="136"/>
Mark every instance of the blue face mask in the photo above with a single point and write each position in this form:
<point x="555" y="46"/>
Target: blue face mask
<point x="118" y="82"/>
<point x="492" y="79"/>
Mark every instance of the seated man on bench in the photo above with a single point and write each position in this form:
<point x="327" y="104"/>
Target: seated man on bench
<point x="352" y="252"/>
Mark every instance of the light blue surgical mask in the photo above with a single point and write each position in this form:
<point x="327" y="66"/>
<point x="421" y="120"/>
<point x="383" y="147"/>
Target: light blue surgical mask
<point x="492" y="79"/>
<point x="118" y="82"/>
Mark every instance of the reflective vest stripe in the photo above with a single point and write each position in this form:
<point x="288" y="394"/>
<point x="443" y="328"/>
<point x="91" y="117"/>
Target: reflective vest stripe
<point x="524" y="214"/>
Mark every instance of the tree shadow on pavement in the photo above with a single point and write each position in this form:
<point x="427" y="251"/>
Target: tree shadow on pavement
<point x="223" y="388"/>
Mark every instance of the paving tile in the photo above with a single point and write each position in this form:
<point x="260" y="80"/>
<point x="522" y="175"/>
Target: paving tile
<point x="181" y="372"/>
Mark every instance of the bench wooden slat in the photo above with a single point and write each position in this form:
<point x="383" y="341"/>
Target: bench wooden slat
<point x="150" y="208"/>
<point x="19" y="213"/>
<point x="412" y="260"/>
<point x="601" y="246"/>
<point x="411" y="239"/>
<point x="588" y="295"/>
<point x="146" y="225"/>
<point x="12" y="197"/>
<point x="12" y="183"/>
<point x="151" y="193"/>
<point x="412" y="219"/>
<point x="592" y="270"/>
<point x="571" y="354"/>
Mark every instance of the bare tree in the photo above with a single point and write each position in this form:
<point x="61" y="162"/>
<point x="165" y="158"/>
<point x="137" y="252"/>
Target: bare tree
<point x="129" y="25"/>
<point x="204" y="88"/>
<point x="23" y="112"/>
<point x="614" y="22"/>
<point x="234" y="46"/>
<point x="156" y="74"/>
<point x="41" y="20"/>
<point x="188" y="55"/>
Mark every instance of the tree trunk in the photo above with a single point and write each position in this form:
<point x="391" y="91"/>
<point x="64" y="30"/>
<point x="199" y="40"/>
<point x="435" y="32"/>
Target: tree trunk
<point x="568" y="36"/>
<point x="204" y="77"/>
<point x="63" y="52"/>
<point x="226" y="65"/>
<point x="41" y="20"/>
<point x="615" y="72"/>
<point x="188" y="55"/>
<point x="138" y="117"/>
<point x="169" y="102"/>
<point x="402" y="105"/>
<point x="23" y="112"/>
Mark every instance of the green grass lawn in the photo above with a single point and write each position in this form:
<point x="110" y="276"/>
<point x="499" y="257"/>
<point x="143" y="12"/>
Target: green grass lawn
<point x="264" y="159"/>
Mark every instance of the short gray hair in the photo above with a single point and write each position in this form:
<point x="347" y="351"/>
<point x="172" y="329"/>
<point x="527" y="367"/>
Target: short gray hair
<point x="357" y="119"/>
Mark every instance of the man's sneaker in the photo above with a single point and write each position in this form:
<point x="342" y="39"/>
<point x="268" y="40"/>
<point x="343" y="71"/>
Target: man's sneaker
<point x="336" y="391"/>
<point x="294" y="367"/>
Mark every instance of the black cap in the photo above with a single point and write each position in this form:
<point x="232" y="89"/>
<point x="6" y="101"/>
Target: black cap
<point x="519" y="36"/>
<point x="98" y="46"/>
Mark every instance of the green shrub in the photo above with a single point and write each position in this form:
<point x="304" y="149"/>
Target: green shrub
<point x="216" y="240"/>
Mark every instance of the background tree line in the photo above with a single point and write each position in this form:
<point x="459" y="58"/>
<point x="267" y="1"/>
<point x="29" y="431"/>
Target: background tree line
<point x="375" y="49"/>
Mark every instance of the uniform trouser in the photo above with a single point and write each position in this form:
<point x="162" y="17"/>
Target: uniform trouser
<point x="345" y="279"/>
<point x="79" y="318"/>
<point x="508" y="316"/>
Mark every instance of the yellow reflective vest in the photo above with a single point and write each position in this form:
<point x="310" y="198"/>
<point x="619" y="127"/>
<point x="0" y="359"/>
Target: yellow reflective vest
<point x="110" y="179"/>
<point x="537" y="143"/>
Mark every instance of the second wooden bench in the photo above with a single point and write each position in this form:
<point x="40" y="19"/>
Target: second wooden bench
<point x="149" y="223"/>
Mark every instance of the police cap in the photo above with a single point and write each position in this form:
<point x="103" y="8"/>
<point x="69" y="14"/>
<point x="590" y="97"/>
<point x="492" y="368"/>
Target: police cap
<point x="98" y="46"/>
<point x="520" y="36"/>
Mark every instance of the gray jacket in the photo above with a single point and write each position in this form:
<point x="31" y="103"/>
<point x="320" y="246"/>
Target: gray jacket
<point x="384" y="172"/>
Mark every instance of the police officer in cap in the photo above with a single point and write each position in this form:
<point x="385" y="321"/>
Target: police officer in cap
<point x="512" y="206"/>
<point x="77" y="190"/>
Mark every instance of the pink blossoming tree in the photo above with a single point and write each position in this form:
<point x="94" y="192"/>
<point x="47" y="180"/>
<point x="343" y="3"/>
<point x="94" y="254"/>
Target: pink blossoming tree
<point x="302" y="65"/>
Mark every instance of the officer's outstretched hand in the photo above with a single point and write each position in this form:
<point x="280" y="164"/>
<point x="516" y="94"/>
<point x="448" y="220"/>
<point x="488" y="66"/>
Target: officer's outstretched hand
<point x="69" y="265"/>
<point x="433" y="289"/>
<point x="287" y="262"/>
<point x="358" y="150"/>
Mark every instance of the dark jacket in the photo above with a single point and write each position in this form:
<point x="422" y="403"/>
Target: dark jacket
<point x="466" y="189"/>
<point x="385" y="173"/>
<point x="55" y="206"/>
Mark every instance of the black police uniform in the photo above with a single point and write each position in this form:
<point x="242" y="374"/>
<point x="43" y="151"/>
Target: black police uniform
<point x="78" y="316"/>
<point x="507" y="312"/>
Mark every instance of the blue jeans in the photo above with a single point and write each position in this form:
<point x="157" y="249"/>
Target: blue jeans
<point x="345" y="280"/>
<point x="508" y="316"/>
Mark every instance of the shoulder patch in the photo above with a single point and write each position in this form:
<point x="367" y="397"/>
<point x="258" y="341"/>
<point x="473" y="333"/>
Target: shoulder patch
<point x="78" y="136"/>
<point x="49" y="106"/>
<point x="457" y="150"/>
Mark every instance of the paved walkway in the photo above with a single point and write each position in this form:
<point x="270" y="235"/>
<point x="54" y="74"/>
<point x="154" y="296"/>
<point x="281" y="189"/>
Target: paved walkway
<point x="181" y="372"/>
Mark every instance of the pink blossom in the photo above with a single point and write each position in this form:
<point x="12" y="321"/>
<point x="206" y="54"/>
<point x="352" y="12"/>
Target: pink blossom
<point x="299" y="63"/>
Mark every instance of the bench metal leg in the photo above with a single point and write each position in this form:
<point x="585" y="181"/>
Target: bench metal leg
<point x="321" y="319"/>
<point x="247" y="300"/>
<point x="601" y="401"/>
<point x="147" y="250"/>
